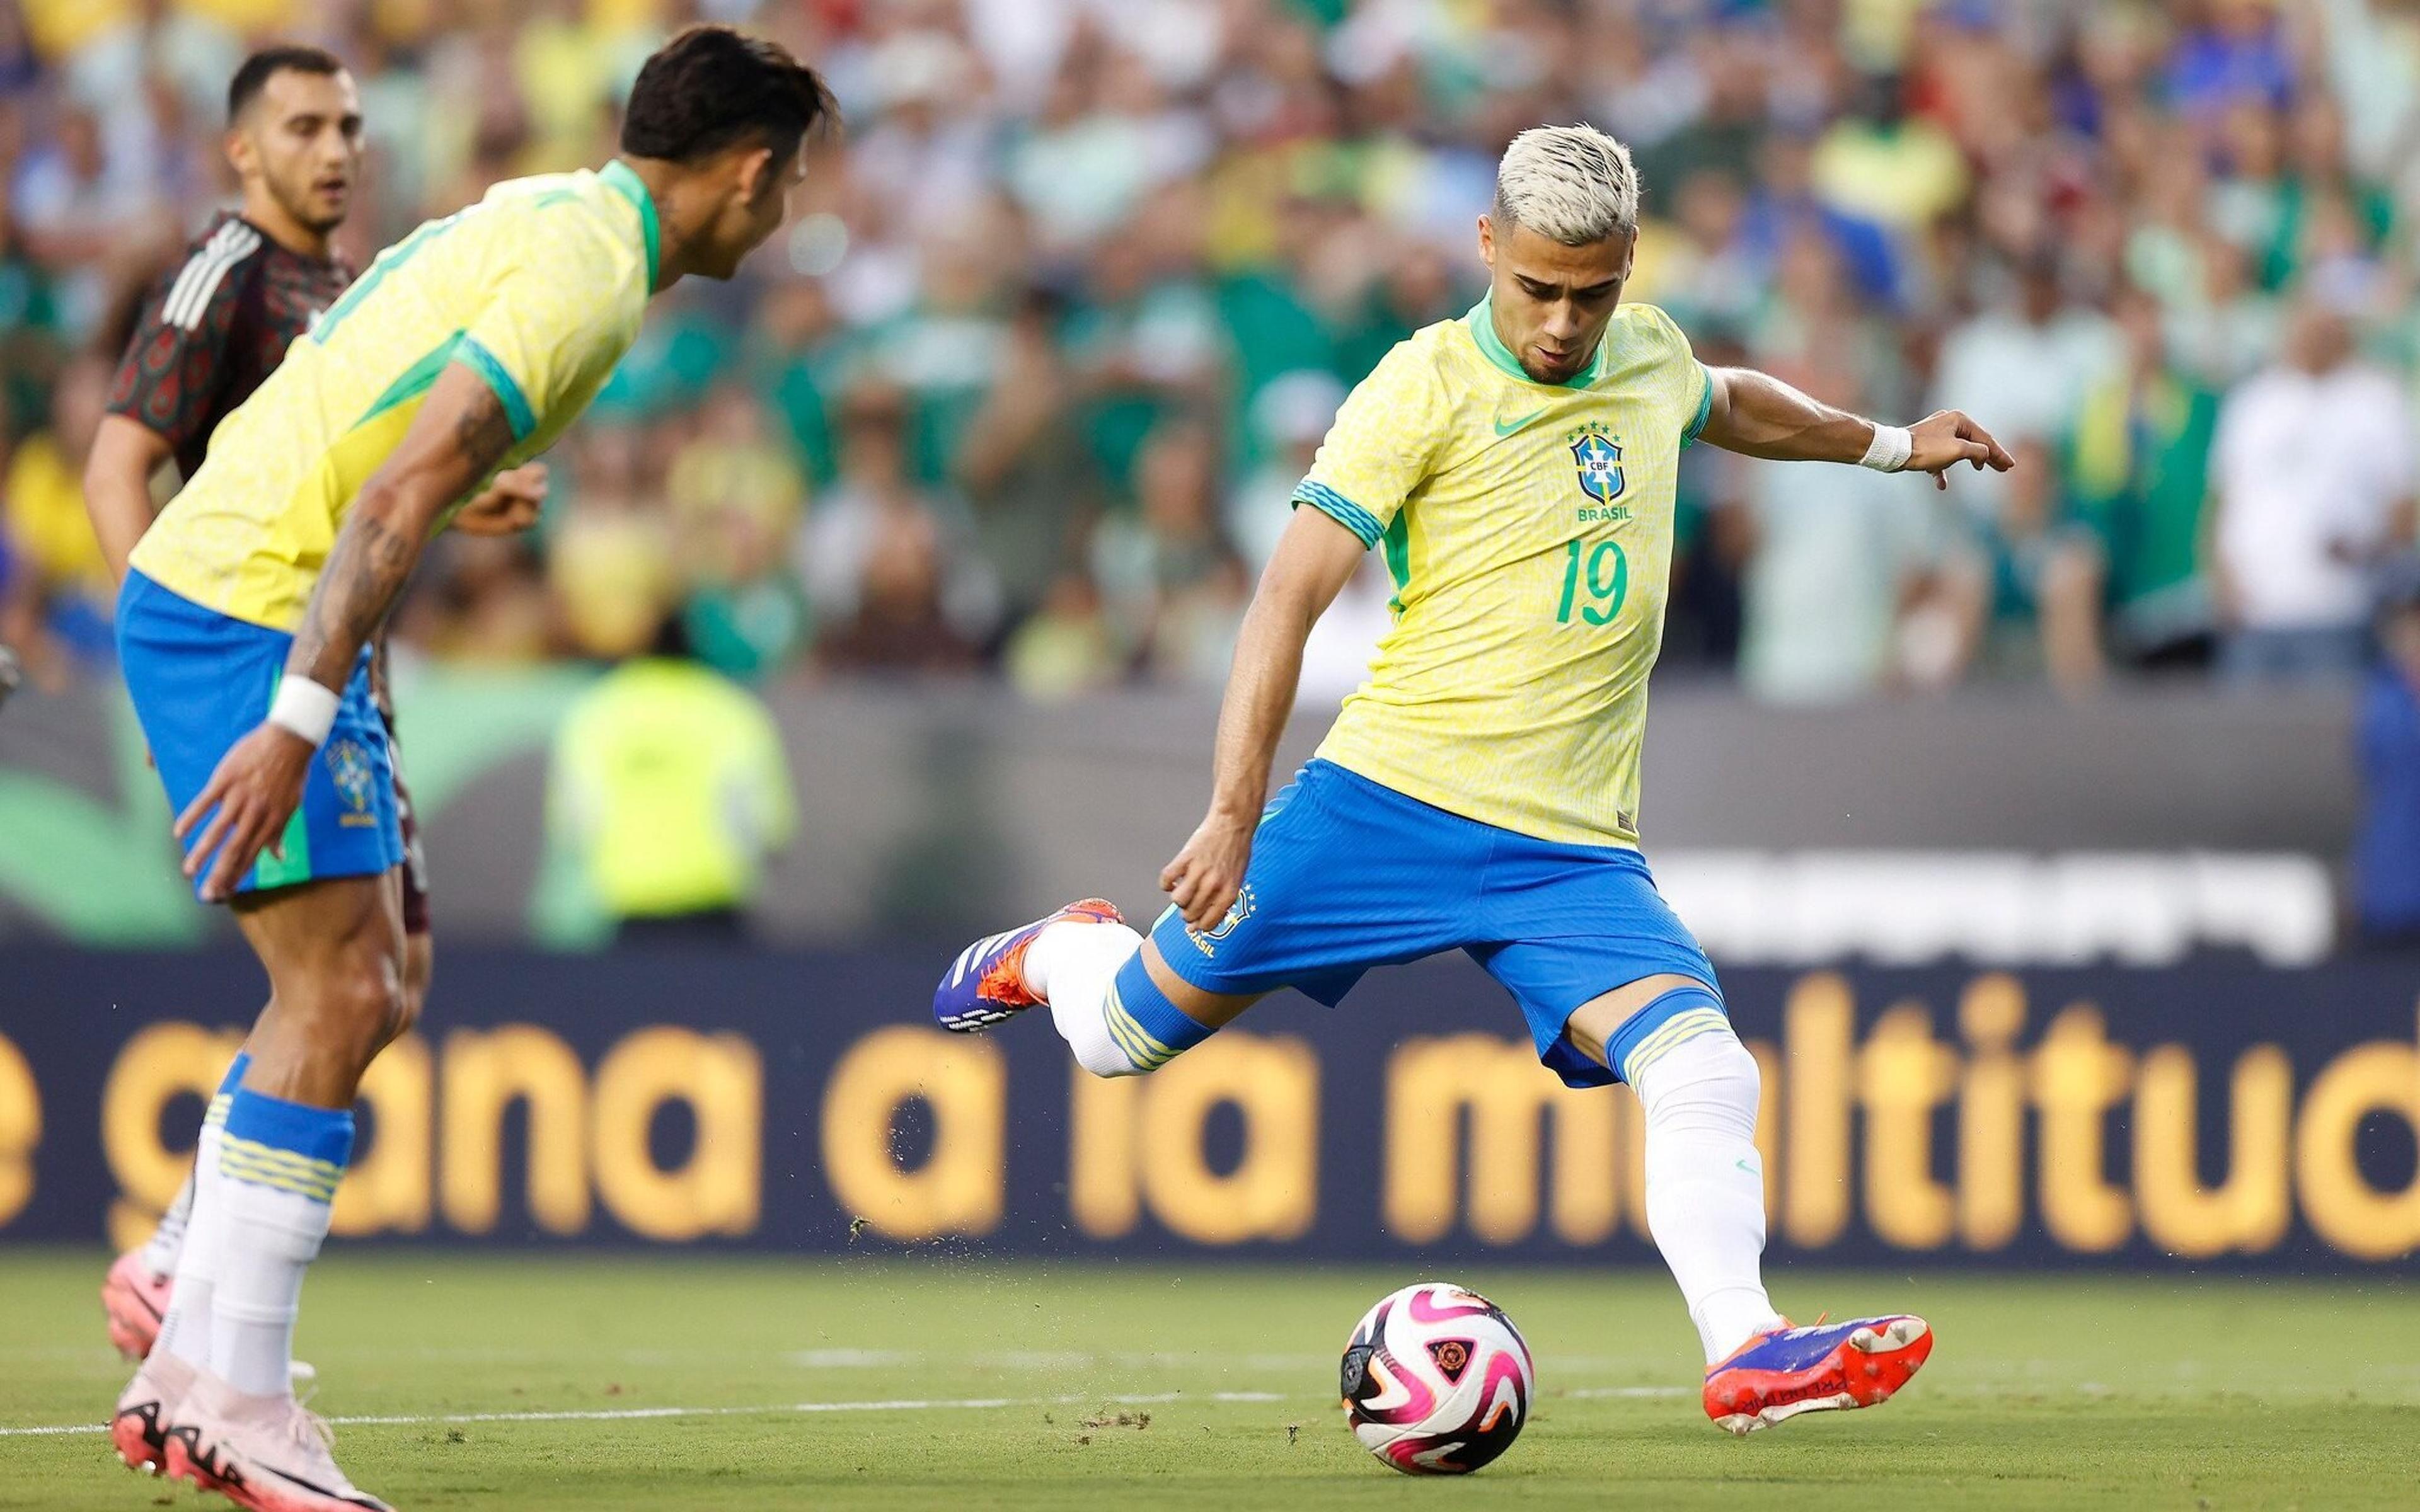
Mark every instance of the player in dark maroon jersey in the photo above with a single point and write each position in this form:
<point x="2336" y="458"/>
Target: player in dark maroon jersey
<point x="214" y="326"/>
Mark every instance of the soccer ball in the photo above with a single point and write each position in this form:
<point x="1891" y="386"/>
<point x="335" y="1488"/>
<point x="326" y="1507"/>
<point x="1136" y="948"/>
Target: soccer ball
<point x="1436" y="1380"/>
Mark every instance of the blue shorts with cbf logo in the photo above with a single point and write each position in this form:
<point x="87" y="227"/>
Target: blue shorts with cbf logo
<point x="201" y="681"/>
<point x="1347" y="873"/>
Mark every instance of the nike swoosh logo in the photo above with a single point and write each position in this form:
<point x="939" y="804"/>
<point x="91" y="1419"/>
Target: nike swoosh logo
<point x="1503" y="429"/>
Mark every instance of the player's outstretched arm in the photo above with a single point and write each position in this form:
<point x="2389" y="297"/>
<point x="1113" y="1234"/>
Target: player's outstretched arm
<point x="1314" y="561"/>
<point x="118" y="486"/>
<point x="1759" y="415"/>
<point x="459" y="437"/>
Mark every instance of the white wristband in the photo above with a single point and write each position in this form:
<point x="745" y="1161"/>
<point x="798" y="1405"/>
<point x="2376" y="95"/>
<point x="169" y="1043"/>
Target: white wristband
<point x="304" y="707"/>
<point x="1889" y="450"/>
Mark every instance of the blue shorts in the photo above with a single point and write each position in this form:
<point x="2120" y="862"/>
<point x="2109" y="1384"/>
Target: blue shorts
<point x="1347" y="873"/>
<point x="201" y="681"/>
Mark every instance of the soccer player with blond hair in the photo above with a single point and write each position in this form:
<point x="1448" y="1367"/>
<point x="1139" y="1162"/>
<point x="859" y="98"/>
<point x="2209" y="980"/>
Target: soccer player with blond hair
<point x="1480" y="790"/>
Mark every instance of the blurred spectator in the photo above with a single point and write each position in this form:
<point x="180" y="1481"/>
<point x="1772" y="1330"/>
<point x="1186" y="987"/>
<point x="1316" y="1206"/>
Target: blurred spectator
<point x="1057" y="231"/>
<point x="1878" y="164"/>
<point x="1706" y="274"/>
<point x="747" y="616"/>
<point x="2219" y="326"/>
<point x="2047" y="572"/>
<point x="878" y="563"/>
<point x="1785" y="204"/>
<point x="1842" y="556"/>
<point x="2025" y="360"/>
<point x="1170" y="575"/>
<point x="75" y="205"/>
<point x="2313" y="459"/>
<point x="1811" y="319"/>
<point x="1034" y="485"/>
<point x="736" y="498"/>
<point x="489" y="604"/>
<point x="669" y="785"/>
<point x="2140" y="469"/>
<point x="1290" y="415"/>
<point x="1148" y="340"/>
<point x="2229" y="53"/>
<point x="56" y="601"/>
<point x="1337" y="658"/>
<point x="2386" y="849"/>
<point x="733" y="466"/>
<point x="1065" y="647"/>
<point x="611" y="562"/>
<point x="898" y="626"/>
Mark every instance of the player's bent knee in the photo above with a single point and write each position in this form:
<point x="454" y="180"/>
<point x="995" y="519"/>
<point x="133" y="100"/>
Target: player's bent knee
<point x="1718" y="1057"/>
<point x="1106" y="1062"/>
<point x="1708" y="1084"/>
<point x="363" y="1006"/>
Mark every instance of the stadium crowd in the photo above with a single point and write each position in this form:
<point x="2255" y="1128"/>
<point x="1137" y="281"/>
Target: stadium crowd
<point x="1061" y="315"/>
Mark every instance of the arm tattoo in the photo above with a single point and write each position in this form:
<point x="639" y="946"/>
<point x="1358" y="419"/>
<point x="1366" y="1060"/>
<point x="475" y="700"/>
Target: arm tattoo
<point x="484" y="433"/>
<point x="375" y="553"/>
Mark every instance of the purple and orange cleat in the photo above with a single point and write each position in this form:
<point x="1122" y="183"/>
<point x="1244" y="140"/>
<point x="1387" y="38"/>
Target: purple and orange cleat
<point x="1785" y="1371"/>
<point x="135" y="1300"/>
<point x="986" y="983"/>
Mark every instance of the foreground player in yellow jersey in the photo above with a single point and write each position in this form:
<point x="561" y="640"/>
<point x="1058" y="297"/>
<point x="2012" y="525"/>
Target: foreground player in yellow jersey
<point x="1480" y="792"/>
<point x="242" y="627"/>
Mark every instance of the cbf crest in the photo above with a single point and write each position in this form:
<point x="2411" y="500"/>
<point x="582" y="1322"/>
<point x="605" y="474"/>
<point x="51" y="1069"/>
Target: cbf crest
<point x="1598" y="458"/>
<point x="349" y="768"/>
<point x="1241" y="909"/>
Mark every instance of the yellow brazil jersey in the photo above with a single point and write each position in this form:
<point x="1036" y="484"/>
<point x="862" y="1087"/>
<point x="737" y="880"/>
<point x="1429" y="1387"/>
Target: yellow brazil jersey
<point x="539" y="288"/>
<point x="1528" y="529"/>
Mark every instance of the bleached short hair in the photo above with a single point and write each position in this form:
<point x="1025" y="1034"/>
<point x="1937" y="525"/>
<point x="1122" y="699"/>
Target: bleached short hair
<point x="1571" y="184"/>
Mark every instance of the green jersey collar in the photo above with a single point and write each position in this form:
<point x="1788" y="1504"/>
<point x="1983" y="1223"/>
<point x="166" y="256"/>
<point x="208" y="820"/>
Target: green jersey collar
<point x="631" y="187"/>
<point x="1481" y="321"/>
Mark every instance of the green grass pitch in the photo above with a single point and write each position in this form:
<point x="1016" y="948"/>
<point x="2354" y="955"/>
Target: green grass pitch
<point x="970" y="1383"/>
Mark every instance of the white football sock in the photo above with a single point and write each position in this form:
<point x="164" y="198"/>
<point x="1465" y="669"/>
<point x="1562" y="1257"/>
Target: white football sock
<point x="269" y="1239"/>
<point x="1705" y="1185"/>
<point x="185" y="1332"/>
<point x="1071" y="965"/>
<point x="167" y="1242"/>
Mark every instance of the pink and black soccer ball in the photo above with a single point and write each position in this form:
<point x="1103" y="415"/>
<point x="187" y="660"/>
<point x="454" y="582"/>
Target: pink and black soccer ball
<point x="1436" y="1380"/>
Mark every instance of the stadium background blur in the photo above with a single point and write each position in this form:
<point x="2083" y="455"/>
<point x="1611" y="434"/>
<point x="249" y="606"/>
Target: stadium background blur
<point x="1022" y="390"/>
<point x="2057" y="837"/>
<point x="967" y="479"/>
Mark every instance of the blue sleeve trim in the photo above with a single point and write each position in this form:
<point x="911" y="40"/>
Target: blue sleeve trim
<point x="1343" y="511"/>
<point x="1705" y="407"/>
<point x="516" y="407"/>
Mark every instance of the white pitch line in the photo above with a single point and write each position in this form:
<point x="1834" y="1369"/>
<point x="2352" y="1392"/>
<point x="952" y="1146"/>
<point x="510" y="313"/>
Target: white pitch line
<point x="622" y="1415"/>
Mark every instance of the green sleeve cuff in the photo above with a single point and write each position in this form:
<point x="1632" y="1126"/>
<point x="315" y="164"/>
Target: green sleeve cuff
<point x="517" y="406"/>
<point x="1343" y="511"/>
<point x="1705" y="407"/>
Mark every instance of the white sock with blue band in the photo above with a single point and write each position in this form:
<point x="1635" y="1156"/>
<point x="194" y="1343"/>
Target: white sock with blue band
<point x="185" y="1332"/>
<point x="1705" y="1181"/>
<point x="279" y="1163"/>
<point x="1149" y="1028"/>
<point x="1103" y="1001"/>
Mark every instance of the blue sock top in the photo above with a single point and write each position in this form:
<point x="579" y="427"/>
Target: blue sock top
<point x="1681" y="1014"/>
<point x="1150" y="1029"/>
<point x="289" y="1146"/>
